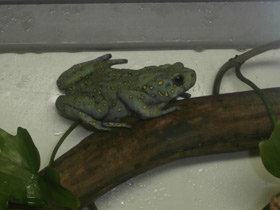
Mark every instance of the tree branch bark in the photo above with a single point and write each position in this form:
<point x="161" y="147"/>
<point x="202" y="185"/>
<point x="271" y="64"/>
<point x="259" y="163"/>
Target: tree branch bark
<point x="203" y="126"/>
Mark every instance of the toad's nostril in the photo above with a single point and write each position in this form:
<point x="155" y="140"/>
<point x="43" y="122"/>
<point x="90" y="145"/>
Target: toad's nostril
<point x="193" y="75"/>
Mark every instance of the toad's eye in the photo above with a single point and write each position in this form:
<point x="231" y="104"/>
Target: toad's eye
<point x="178" y="80"/>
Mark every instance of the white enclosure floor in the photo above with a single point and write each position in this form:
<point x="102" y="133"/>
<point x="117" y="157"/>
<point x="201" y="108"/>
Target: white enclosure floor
<point x="227" y="181"/>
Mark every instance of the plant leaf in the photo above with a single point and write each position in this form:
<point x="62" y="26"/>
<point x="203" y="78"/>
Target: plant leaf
<point x="4" y="197"/>
<point x="19" y="164"/>
<point x="20" y="149"/>
<point x="270" y="151"/>
<point x="60" y="194"/>
<point x="19" y="178"/>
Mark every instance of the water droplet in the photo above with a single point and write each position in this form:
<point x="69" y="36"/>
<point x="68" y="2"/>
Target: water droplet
<point x="58" y="133"/>
<point x="26" y="30"/>
<point x="144" y="38"/>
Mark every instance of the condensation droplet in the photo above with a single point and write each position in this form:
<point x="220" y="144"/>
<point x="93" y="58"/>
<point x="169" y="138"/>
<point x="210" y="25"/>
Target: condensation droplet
<point x="58" y="133"/>
<point x="52" y="12"/>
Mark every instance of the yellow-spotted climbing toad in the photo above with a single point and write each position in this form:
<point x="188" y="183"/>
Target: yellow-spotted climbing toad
<point x="100" y="96"/>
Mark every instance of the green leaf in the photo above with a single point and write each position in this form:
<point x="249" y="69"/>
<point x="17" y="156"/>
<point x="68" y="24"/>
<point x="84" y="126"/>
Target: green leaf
<point x="19" y="178"/>
<point x="19" y="164"/>
<point x="270" y="152"/>
<point x="60" y="194"/>
<point x="21" y="185"/>
<point x="20" y="149"/>
<point x="4" y="197"/>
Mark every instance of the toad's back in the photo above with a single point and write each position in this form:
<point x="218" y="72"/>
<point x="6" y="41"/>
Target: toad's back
<point x="110" y="79"/>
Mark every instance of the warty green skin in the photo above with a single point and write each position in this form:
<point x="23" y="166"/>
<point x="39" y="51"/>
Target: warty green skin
<point x="101" y="96"/>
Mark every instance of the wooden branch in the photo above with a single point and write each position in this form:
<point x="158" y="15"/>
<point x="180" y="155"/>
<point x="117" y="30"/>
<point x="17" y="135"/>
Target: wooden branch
<point x="204" y="125"/>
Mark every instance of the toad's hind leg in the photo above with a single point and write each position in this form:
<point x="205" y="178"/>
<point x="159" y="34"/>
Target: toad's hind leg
<point x="83" y="109"/>
<point x="82" y="70"/>
<point x="116" y="125"/>
<point x="78" y="71"/>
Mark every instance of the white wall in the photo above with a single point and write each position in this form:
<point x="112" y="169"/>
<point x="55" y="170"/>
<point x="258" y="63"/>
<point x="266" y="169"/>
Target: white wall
<point x="229" y="181"/>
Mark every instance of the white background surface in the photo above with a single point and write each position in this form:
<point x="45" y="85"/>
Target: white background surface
<point x="229" y="181"/>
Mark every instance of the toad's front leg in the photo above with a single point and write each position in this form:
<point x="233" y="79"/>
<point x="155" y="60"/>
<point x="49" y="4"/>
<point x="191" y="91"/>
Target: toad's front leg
<point x="142" y="104"/>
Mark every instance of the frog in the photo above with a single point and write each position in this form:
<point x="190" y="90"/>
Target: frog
<point x="99" y="96"/>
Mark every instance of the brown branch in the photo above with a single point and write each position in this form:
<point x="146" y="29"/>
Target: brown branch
<point x="240" y="59"/>
<point x="204" y="125"/>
